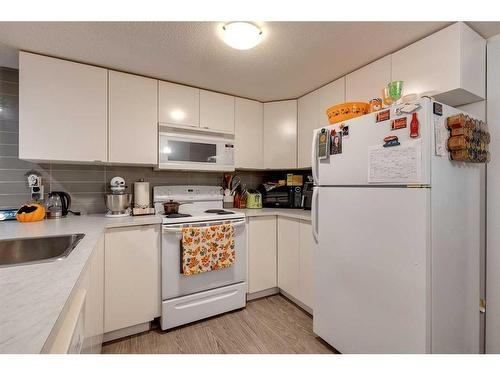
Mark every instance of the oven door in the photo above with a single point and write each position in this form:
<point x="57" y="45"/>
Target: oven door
<point x="188" y="150"/>
<point x="175" y="284"/>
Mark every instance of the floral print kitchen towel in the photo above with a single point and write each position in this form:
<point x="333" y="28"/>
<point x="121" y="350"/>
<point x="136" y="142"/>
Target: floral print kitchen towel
<point x="207" y="248"/>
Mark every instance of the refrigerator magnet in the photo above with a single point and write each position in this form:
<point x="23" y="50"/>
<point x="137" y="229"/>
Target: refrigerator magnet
<point x="323" y="143"/>
<point x="437" y="108"/>
<point x="391" y="141"/>
<point x="399" y="123"/>
<point x="414" y="126"/>
<point x="344" y="130"/>
<point x="384" y="115"/>
<point x="336" y="143"/>
<point x="407" y="108"/>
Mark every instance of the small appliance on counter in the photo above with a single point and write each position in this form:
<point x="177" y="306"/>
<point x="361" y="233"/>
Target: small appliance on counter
<point x="281" y="195"/>
<point x="57" y="205"/>
<point x="142" y="205"/>
<point x="307" y="194"/>
<point x="35" y="185"/>
<point x="254" y="199"/>
<point x="118" y="202"/>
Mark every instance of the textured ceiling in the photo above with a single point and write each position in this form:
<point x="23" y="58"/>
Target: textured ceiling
<point x="293" y="59"/>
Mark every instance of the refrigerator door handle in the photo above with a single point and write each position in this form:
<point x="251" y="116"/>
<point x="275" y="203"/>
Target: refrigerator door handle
<point x="314" y="214"/>
<point x="314" y="158"/>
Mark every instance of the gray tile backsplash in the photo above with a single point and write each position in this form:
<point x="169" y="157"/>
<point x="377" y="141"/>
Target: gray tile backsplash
<point x="85" y="183"/>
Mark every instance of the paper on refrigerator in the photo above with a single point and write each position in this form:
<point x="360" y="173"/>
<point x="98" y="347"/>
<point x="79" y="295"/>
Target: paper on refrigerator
<point x="398" y="164"/>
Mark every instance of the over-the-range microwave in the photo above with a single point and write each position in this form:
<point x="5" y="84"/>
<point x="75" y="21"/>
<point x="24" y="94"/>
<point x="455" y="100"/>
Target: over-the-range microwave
<point x="192" y="149"/>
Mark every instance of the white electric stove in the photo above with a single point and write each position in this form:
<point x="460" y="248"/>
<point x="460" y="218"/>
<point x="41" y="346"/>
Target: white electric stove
<point x="189" y="298"/>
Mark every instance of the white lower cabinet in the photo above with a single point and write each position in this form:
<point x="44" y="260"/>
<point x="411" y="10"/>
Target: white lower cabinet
<point x="261" y="253"/>
<point x="132" y="283"/>
<point x="295" y="260"/>
<point x="288" y="256"/>
<point x="280" y="254"/>
<point x="306" y="262"/>
<point x="80" y="327"/>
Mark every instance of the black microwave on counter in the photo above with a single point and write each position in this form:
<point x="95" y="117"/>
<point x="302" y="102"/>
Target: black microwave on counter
<point x="282" y="196"/>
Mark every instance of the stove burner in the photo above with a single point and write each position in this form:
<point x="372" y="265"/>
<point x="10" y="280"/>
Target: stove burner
<point x="175" y="216"/>
<point x="219" y="212"/>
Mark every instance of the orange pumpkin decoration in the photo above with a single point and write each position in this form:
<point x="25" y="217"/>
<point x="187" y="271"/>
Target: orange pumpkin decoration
<point x="30" y="212"/>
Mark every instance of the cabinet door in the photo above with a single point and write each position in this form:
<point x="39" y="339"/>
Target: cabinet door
<point x="96" y="296"/>
<point x="449" y="65"/>
<point x="430" y="65"/>
<point x="62" y="110"/>
<point x="132" y="119"/>
<point x="178" y="104"/>
<point x="248" y="134"/>
<point x="368" y="82"/>
<point x="280" y="134"/>
<point x="216" y="111"/>
<point x="330" y="95"/>
<point x="288" y="256"/>
<point x="306" y="261"/>
<point x="307" y="121"/>
<point x="261" y="253"/>
<point x="132" y="282"/>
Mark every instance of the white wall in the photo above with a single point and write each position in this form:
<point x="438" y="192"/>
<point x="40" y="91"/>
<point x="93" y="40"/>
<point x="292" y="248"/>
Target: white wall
<point x="493" y="200"/>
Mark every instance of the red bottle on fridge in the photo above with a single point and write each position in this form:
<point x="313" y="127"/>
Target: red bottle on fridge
<point x="414" y="126"/>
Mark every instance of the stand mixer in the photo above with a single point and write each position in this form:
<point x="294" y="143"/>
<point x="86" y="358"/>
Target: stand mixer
<point x="118" y="202"/>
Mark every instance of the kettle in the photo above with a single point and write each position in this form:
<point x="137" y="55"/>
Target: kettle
<point x="254" y="199"/>
<point x="58" y="204"/>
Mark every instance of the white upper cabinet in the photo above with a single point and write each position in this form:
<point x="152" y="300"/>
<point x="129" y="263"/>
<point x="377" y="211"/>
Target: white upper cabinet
<point x="449" y="65"/>
<point x="62" y="110"/>
<point x="216" y="111"/>
<point x="280" y="134"/>
<point x="307" y="121"/>
<point x="368" y="82"/>
<point x="132" y="119"/>
<point x="249" y="117"/>
<point x="330" y="95"/>
<point x="178" y="104"/>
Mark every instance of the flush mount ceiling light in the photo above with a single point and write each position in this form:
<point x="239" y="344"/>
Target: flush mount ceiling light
<point x="241" y="35"/>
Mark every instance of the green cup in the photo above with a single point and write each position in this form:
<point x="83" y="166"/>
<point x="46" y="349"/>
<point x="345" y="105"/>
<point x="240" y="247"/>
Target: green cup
<point x="395" y="90"/>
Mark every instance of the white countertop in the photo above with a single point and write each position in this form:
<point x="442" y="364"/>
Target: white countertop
<point x="294" y="213"/>
<point x="33" y="296"/>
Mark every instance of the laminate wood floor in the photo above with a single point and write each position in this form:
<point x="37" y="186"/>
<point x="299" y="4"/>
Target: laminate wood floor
<point x="268" y="325"/>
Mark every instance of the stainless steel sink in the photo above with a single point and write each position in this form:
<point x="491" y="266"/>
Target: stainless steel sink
<point x="22" y="251"/>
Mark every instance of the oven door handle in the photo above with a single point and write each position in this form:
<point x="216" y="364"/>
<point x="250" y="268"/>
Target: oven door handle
<point x="179" y="229"/>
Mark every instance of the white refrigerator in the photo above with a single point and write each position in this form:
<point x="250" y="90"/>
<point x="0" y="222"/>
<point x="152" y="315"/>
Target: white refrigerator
<point x="398" y="236"/>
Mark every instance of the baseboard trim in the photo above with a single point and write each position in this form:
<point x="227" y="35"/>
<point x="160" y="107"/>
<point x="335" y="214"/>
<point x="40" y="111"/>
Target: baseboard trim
<point x="124" y="332"/>
<point x="262" y="293"/>
<point x="304" y="307"/>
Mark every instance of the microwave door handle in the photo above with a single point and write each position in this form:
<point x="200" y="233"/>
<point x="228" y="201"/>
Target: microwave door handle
<point x="314" y="157"/>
